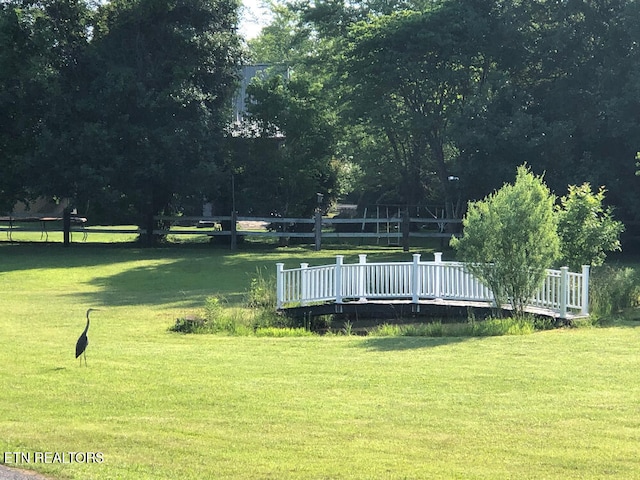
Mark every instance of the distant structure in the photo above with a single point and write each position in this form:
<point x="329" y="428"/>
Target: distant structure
<point x="240" y="123"/>
<point x="240" y="100"/>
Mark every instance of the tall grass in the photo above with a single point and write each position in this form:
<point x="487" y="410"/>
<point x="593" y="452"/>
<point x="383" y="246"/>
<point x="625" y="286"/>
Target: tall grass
<point x="612" y="289"/>
<point x="485" y="328"/>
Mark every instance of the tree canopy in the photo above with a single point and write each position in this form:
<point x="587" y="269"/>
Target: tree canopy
<point x="137" y="101"/>
<point x="429" y="90"/>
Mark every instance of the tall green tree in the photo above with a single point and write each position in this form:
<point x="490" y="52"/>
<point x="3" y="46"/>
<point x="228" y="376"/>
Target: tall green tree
<point x="289" y="158"/>
<point x="586" y="227"/>
<point x="413" y="77"/>
<point x="145" y="126"/>
<point x="570" y="107"/>
<point x="39" y="42"/>
<point x="285" y="41"/>
<point x="17" y="111"/>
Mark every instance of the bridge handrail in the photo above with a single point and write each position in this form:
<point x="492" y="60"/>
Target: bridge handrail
<point x="417" y="280"/>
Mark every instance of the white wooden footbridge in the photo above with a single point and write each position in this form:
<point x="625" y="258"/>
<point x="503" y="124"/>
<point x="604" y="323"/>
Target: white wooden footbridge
<point x="332" y="288"/>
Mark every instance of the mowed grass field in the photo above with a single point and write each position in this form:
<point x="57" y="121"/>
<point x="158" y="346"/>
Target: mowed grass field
<point x="158" y="405"/>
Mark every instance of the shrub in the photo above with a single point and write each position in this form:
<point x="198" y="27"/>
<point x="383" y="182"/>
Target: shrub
<point x="216" y="317"/>
<point x="587" y="229"/>
<point x="267" y="318"/>
<point x="510" y="238"/>
<point x="189" y="325"/>
<point x="613" y="289"/>
<point x="258" y="315"/>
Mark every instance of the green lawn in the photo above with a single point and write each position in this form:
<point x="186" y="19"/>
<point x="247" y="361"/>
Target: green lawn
<point x="157" y="405"/>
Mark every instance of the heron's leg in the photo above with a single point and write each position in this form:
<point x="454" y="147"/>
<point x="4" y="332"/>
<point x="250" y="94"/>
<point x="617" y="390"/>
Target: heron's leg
<point x="85" y="357"/>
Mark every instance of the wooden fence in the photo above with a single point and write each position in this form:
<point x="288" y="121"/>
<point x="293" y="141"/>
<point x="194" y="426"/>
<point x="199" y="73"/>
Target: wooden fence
<point x="562" y="292"/>
<point x="392" y="231"/>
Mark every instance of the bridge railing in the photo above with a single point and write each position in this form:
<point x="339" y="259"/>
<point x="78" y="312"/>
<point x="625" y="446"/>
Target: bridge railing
<point x="561" y="292"/>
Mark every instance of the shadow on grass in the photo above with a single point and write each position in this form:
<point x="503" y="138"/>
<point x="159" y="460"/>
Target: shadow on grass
<point x="182" y="274"/>
<point x="27" y="256"/>
<point x="185" y="276"/>
<point x="388" y="344"/>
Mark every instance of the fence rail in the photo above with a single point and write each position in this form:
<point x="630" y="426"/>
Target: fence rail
<point x="562" y="292"/>
<point x="392" y="230"/>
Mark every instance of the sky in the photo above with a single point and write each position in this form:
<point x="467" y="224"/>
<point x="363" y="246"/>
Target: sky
<point x="253" y="16"/>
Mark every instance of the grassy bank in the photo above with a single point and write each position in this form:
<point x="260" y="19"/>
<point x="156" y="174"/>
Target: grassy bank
<point x="159" y="405"/>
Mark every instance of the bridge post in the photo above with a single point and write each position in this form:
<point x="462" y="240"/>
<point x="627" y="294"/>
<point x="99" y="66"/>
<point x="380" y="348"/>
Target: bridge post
<point x="361" y="276"/>
<point x="279" y="285"/>
<point x="338" y="282"/>
<point x="585" y="290"/>
<point x="415" y="280"/>
<point x="304" y="284"/>
<point x="437" y="274"/>
<point x="564" y="291"/>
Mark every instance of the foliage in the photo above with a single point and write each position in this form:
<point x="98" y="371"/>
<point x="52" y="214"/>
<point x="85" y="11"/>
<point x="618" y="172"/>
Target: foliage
<point x="519" y="83"/>
<point x="613" y="289"/>
<point x="289" y="158"/>
<point x="39" y="41"/>
<point x="216" y="317"/>
<point x="132" y="100"/>
<point x="587" y="229"/>
<point x="262" y="290"/>
<point x="188" y="325"/>
<point x="261" y="299"/>
<point x="258" y="317"/>
<point x="122" y="105"/>
<point x="585" y="121"/>
<point x="284" y="42"/>
<point x="411" y="76"/>
<point x="510" y="238"/>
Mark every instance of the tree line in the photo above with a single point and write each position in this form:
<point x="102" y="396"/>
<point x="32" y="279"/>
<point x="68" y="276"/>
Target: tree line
<point x="439" y="101"/>
<point x="124" y="106"/>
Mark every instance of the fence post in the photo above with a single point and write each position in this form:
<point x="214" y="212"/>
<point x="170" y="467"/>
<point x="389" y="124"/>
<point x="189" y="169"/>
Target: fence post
<point x="437" y="273"/>
<point x="564" y="291"/>
<point x="585" y="290"/>
<point x="338" y="282"/>
<point x="406" y="227"/>
<point x="304" y="284"/>
<point x="415" y="280"/>
<point x="234" y="230"/>
<point x="279" y="285"/>
<point x="361" y="276"/>
<point x="318" y="229"/>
